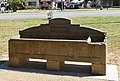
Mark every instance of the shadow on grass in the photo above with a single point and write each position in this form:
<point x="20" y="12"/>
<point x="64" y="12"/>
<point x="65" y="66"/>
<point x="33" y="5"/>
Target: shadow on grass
<point x="40" y="67"/>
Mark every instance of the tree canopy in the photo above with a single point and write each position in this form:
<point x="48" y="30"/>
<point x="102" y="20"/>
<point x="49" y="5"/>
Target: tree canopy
<point x="17" y="3"/>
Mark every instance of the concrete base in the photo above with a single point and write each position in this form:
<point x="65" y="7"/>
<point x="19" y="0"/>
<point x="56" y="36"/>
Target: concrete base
<point x="70" y="69"/>
<point x="54" y="65"/>
<point x="112" y="74"/>
<point x="99" y="69"/>
<point x="17" y="62"/>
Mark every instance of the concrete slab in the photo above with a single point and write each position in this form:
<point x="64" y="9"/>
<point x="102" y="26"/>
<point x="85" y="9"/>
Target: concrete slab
<point x="112" y="74"/>
<point x="71" y="69"/>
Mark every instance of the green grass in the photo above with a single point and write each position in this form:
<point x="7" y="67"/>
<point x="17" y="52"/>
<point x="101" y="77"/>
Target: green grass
<point x="31" y="10"/>
<point x="34" y="11"/>
<point x="111" y="25"/>
<point x="114" y="8"/>
<point x="9" y="28"/>
<point x="81" y="9"/>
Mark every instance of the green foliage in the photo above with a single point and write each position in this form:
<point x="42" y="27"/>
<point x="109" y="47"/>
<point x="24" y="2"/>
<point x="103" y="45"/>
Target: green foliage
<point x="17" y="3"/>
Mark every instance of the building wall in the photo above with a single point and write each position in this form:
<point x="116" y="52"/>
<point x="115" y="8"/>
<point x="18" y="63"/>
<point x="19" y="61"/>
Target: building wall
<point x="3" y="2"/>
<point x="33" y="3"/>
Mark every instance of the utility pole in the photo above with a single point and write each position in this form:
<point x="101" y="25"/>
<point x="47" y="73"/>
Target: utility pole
<point x="61" y="5"/>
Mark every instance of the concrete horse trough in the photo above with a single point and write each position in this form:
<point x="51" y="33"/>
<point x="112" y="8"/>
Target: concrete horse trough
<point x="57" y="42"/>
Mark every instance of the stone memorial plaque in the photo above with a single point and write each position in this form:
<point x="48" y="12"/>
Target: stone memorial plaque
<point x="57" y="42"/>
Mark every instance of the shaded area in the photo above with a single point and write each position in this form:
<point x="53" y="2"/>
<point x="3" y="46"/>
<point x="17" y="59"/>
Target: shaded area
<point x="40" y="67"/>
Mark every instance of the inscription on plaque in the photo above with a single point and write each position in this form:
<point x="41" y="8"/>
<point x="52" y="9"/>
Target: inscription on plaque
<point x="59" y="29"/>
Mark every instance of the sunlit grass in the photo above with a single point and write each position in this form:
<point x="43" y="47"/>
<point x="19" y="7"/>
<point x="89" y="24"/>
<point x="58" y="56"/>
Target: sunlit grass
<point x="111" y="25"/>
<point x="32" y="10"/>
<point x="81" y="9"/>
<point x="9" y="28"/>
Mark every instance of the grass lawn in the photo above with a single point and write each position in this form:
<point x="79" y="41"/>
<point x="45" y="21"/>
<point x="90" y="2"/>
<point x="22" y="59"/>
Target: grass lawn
<point x="31" y="10"/>
<point x="82" y="9"/>
<point x="9" y="28"/>
<point x="111" y="25"/>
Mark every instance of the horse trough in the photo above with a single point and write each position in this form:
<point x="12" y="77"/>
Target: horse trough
<point x="57" y="42"/>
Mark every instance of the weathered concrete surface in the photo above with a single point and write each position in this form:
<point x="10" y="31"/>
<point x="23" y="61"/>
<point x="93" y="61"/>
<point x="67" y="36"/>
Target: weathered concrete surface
<point x="42" y="42"/>
<point x="57" y="42"/>
<point x="35" y="71"/>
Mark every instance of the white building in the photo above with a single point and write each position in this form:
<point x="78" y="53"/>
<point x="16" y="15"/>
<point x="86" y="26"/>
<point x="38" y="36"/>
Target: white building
<point x="4" y="2"/>
<point x="37" y="3"/>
